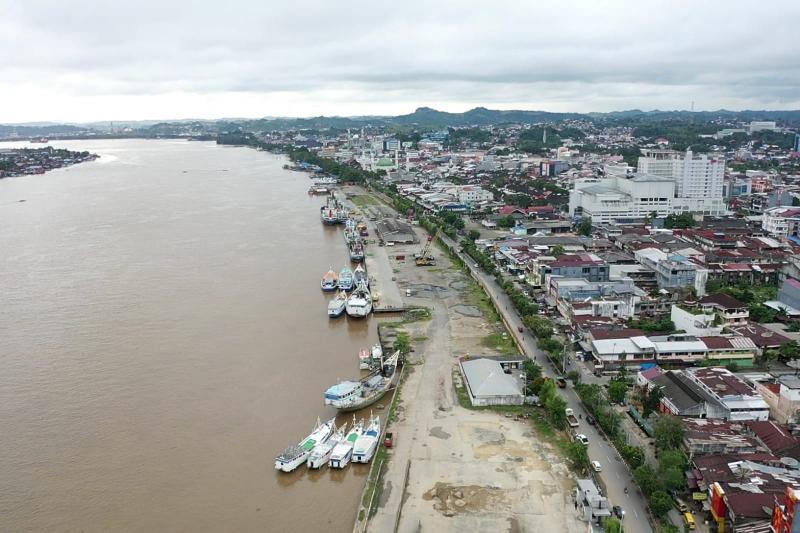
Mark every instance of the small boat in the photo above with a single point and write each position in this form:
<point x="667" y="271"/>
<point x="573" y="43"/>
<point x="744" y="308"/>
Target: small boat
<point x="343" y="452"/>
<point x="322" y="453"/>
<point x="354" y="395"/>
<point x="359" y="303"/>
<point x="368" y="359"/>
<point x="330" y="281"/>
<point x="337" y="306"/>
<point x="297" y="454"/>
<point x="356" y="251"/>
<point x="346" y="280"/>
<point x="360" y="276"/>
<point x="366" y="444"/>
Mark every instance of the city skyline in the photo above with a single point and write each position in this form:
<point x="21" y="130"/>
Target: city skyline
<point x="83" y="62"/>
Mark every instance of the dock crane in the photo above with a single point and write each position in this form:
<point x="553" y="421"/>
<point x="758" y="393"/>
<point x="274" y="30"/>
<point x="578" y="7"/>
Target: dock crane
<point x="425" y="257"/>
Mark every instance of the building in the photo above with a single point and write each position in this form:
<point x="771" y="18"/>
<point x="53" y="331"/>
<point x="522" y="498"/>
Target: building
<point x="740" y="400"/>
<point x="761" y="125"/>
<point x="782" y="222"/>
<point x="488" y="384"/>
<point x="789" y="294"/>
<point x="591" y="503"/>
<point x="587" y="266"/>
<point x="728" y="310"/>
<point x="698" y="178"/>
<point x="709" y="436"/>
<point x="683" y="397"/>
<point x="552" y="168"/>
<point x="673" y="271"/>
<point x="730" y="349"/>
<point x="622" y="199"/>
<point x="783" y="397"/>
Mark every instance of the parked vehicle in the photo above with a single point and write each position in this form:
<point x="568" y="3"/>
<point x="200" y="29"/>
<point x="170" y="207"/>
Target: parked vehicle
<point x="583" y="439"/>
<point x="596" y="466"/>
<point x="688" y="520"/>
<point x="388" y="440"/>
<point x="571" y="419"/>
<point x="562" y="383"/>
<point x="680" y="505"/>
<point x="590" y="420"/>
<point x="619" y="512"/>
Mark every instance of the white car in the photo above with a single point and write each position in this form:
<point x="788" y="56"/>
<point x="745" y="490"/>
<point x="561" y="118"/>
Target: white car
<point x="583" y="439"/>
<point x="596" y="466"/>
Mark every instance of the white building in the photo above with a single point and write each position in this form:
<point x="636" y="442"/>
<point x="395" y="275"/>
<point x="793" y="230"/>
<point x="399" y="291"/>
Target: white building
<point x="761" y="126"/>
<point x="621" y="199"/>
<point x="781" y="222"/>
<point x="698" y="178"/>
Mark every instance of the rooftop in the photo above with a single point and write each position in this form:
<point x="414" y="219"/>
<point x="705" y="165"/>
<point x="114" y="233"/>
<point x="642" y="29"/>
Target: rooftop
<point x="722" y="300"/>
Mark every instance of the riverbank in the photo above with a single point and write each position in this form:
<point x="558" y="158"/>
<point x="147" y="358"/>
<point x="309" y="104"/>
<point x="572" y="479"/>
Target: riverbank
<point x="452" y="468"/>
<point x="15" y="162"/>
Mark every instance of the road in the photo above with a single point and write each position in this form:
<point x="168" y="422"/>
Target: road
<point x="615" y="474"/>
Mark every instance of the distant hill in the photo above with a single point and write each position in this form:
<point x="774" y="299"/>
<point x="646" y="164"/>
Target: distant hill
<point x="423" y="117"/>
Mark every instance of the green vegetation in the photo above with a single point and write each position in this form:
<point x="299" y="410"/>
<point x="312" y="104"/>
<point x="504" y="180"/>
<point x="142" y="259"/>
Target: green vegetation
<point x="669" y="431"/>
<point x="468" y="135"/>
<point x="682" y="221"/>
<point x="660" y="503"/>
<point x="617" y="391"/>
<point x="531" y="140"/>
<point x="650" y="325"/>
<point x="364" y="200"/>
<point x="752" y="295"/>
<point x="557" y="251"/>
<point x="402" y="343"/>
<point x="501" y="342"/>
<point x="612" y="525"/>
<point x="585" y="227"/>
<point x="506" y="222"/>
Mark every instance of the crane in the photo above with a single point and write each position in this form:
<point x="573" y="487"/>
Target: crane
<point x="425" y="257"/>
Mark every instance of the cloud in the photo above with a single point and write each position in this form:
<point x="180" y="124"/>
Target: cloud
<point x="90" y="60"/>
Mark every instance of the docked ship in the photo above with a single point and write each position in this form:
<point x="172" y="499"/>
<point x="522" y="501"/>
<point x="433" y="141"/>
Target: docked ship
<point x="366" y="444"/>
<point x="356" y="251"/>
<point x="350" y="235"/>
<point x="297" y="454"/>
<point x="362" y="229"/>
<point x="360" y="276"/>
<point x="343" y="452"/>
<point x="359" y="303"/>
<point x="327" y="215"/>
<point x="337" y="306"/>
<point x="322" y="453"/>
<point x="332" y="212"/>
<point x="346" y="279"/>
<point x="354" y="395"/>
<point x="368" y="359"/>
<point x="330" y="281"/>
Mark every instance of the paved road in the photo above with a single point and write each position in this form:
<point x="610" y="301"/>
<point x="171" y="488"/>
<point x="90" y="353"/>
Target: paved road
<point x="615" y="474"/>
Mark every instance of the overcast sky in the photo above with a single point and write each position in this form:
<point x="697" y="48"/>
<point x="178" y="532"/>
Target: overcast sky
<point x="82" y="60"/>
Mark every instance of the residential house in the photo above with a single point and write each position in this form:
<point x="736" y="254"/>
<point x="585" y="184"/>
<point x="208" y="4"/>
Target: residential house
<point x="729" y="310"/>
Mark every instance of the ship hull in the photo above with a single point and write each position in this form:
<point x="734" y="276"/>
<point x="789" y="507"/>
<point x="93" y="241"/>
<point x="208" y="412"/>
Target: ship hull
<point x="288" y="466"/>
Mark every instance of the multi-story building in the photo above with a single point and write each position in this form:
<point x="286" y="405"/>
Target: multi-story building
<point x="729" y="310"/>
<point x="586" y="266"/>
<point x="740" y="400"/>
<point x="782" y="222"/>
<point x="673" y="271"/>
<point x="621" y="199"/>
<point x="698" y="178"/>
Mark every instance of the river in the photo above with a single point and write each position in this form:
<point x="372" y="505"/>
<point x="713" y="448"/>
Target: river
<point x="162" y="337"/>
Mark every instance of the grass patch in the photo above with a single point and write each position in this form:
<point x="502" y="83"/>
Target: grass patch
<point x="364" y="200"/>
<point x="421" y="338"/>
<point x="501" y="342"/>
<point x="476" y="296"/>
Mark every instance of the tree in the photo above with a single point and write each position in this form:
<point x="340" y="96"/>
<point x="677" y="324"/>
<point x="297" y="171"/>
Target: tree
<point x="473" y="235"/>
<point x="541" y="327"/>
<point x="789" y="351"/>
<point x="585" y="227"/>
<point x="557" y="250"/>
<point x="761" y="313"/>
<point x="612" y="525"/>
<point x="652" y="401"/>
<point x="579" y="455"/>
<point x="682" y="221"/>
<point x="660" y="503"/>
<point x="617" y="390"/>
<point x="555" y="407"/>
<point x="547" y="390"/>
<point x="669" y="431"/>
<point x="506" y="222"/>
<point x="633" y="455"/>
<point x="647" y="479"/>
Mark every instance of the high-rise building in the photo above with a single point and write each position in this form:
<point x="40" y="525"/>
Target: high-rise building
<point x="797" y="142"/>
<point x="698" y="178"/>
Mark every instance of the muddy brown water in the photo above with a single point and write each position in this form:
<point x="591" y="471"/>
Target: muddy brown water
<point x="162" y="337"/>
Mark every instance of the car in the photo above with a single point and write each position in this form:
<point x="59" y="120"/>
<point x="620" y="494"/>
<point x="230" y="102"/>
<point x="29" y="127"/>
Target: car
<point x="583" y="439"/>
<point x="619" y="512"/>
<point x="596" y="466"/>
<point x="590" y="420"/>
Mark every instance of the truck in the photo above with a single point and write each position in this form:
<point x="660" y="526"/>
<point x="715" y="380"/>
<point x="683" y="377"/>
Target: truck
<point x="571" y="420"/>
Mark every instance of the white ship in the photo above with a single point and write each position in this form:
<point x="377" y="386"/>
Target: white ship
<point x="366" y="444"/>
<point x="297" y="454"/>
<point x="343" y="452"/>
<point x="337" y="306"/>
<point x="322" y="453"/>
<point x="359" y="304"/>
<point x="346" y="281"/>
